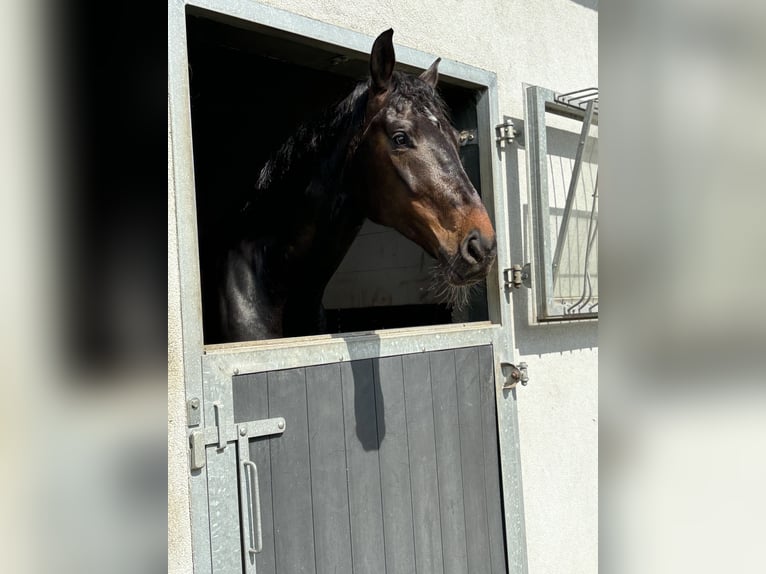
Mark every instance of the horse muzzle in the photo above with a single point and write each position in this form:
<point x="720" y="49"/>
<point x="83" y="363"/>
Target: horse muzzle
<point x="476" y="254"/>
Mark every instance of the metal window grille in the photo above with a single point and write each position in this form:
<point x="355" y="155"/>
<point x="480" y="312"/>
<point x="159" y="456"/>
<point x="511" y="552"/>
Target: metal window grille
<point x="562" y="155"/>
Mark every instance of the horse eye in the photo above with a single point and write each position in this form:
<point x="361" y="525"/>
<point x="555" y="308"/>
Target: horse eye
<point x="399" y="139"/>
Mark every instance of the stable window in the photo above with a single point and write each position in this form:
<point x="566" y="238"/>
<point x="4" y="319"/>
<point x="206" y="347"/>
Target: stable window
<point x="562" y="155"/>
<point x="251" y="88"/>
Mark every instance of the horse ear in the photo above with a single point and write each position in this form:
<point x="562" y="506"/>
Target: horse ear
<point x="382" y="60"/>
<point x="431" y="75"/>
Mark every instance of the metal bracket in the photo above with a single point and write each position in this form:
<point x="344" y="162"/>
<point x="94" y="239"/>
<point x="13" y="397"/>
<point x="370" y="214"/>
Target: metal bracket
<point x="517" y="276"/>
<point x="518" y="374"/>
<point x="193" y="417"/>
<point x="467" y="137"/>
<point x="506" y="132"/>
<point x="221" y="435"/>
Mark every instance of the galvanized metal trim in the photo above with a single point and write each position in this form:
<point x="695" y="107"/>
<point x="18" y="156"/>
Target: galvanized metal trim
<point x="179" y="109"/>
<point x="537" y="168"/>
<point x="338" y="348"/>
<point x="495" y="198"/>
<point x="315" y="32"/>
<point x="223" y="496"/>
<point x="510" y="464"/>
<point x="182" y="170"/>
<point x="499" y="301"/>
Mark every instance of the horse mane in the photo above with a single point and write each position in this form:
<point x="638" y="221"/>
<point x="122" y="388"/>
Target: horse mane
<point x="316" y="143"/>
<point x="324" y="145"/>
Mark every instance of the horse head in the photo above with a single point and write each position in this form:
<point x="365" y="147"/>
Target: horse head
<point x="410" y="175"/>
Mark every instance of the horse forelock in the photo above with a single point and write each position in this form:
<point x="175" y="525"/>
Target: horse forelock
<point x="423" y="98"/>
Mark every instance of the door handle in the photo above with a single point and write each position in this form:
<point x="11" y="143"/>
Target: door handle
<point x="250" y="508"/>
<point x="251" y="529"/>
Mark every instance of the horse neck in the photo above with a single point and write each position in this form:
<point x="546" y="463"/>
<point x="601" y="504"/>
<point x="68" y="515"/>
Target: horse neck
<point x="308" y="225"/>
<point x="311" y="216"/>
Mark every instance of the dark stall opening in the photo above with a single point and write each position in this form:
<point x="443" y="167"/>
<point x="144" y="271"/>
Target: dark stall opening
<point x="251" y="88"/>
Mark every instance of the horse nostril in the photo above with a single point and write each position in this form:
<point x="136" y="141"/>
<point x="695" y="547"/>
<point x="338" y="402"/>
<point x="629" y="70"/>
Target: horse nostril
<point x="478" y="248"/>
<point x="474" y="249"/>
<point x="471" y="249"/>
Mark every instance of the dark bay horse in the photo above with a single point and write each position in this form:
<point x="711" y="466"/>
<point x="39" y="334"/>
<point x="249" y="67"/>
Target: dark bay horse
<point x="387" y="152"/>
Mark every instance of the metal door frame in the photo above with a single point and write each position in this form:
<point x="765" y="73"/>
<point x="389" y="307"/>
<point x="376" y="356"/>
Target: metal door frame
<point x="208" y="370"/>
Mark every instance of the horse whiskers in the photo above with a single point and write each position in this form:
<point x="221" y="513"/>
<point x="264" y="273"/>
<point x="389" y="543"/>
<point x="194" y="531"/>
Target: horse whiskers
<point x="455" y="297"/>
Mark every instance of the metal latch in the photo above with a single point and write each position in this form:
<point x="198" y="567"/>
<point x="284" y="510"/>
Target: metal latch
<point x="193" y="417"/>
<point x="517" y="374"/>
<point x="221" y="434"/>
<point x="516" y="276"/>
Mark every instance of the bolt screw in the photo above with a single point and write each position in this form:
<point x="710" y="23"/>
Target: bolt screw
<point x="195" y="403"/>
<point x="281" y="425"/>
<point x="242" y="431"/>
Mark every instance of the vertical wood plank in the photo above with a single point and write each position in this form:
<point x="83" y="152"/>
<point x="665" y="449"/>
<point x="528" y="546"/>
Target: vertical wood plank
<point x="251" y="403"/>
<point x="367" y="538"/>
<point x="424" y="481"/>
<point x="447" y="432"/>
<point x="491" y="460"/>
<point x="472" y="460"/>
<point x="291" y="478"/>
<point x="329" y="488"/>
<point x="395" y="468"/>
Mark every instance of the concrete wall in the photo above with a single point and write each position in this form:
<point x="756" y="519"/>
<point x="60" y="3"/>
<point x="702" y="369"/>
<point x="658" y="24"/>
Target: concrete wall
<point x="552" y="43"/>
<point x="179" y="527"/>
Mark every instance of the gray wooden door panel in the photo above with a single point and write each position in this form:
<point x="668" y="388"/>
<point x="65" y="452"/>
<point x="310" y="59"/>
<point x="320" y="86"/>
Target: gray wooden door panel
<point x="450" y="472"/>
<point x="291" y="474"/>
<point x="364" y="491"/>
<point x="472" y="459"/>
<point x="491" y="462"/>
<point x="386" y="466"/>
<point x="329" y="486"/>
<point x="422" y="447"/>
<point x="395" y="468"/>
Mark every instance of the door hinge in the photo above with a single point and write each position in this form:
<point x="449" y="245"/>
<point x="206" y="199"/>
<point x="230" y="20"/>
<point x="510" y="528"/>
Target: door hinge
<point x="467" y="137"/>
<point x="514" y="374"/>
<point x="222" y="434"/>
<point x="517" y="276"/>
<point x="507" y="133"/>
